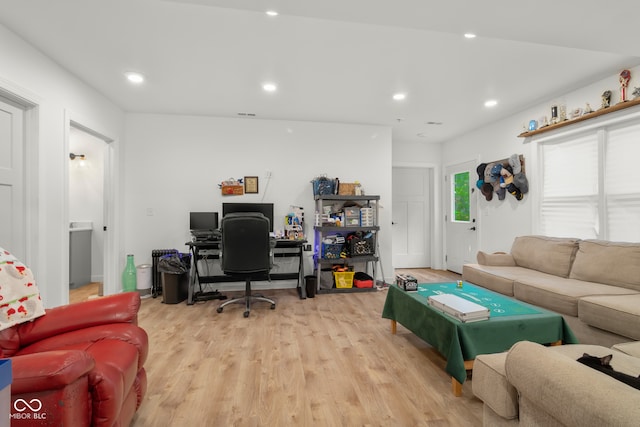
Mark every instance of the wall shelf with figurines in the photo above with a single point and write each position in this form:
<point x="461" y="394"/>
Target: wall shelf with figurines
<point x="623" y="104"/>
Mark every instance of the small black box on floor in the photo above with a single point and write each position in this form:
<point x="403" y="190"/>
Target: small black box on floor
<point x="407" y="282"/>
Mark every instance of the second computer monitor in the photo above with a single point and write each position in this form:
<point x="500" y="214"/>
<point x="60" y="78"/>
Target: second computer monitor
<point x="203" y="221"/>
<point x="265" y="209"/>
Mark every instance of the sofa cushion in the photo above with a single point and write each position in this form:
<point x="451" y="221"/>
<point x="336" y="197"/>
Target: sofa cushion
<point x="619" y="314"/>
<point x="489" y="383"/>
<point x="551" y="255"/>
<point x="631" y="348"/>
<point x="498" y="259"/>
<point x="558" y="294"/>
<point x="611" y="263"/>
<point x="497" y="279"/>
<point x="620" y="361"/>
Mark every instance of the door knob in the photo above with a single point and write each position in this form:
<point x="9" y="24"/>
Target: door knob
<point x="472" y="229"/>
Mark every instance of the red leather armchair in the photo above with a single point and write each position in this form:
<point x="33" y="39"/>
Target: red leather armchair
<point x="79" y="365"/>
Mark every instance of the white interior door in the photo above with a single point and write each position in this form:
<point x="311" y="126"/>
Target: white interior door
<point x="411" y="217"/>
<point x="461" y="206"/>
<point x="12" y="170"/>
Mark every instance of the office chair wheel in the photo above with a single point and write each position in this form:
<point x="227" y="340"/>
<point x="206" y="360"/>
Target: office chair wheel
<point x="219" y="309"/>
<point x="273" y="306"/>
<point x="246" y="314"/>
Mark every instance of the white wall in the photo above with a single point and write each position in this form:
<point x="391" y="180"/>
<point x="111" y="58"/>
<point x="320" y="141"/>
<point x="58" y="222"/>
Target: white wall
<point x="173" y="165"/>
<point x="501" y="221"/>
<point x="60" y="96"/>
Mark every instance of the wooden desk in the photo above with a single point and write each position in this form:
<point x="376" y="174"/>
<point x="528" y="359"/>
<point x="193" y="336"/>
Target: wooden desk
<point x="285" y="248"/>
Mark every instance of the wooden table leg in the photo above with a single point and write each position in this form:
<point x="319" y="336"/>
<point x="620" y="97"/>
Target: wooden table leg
<point x="456" y="387"/>
<point x="394" y="327"/>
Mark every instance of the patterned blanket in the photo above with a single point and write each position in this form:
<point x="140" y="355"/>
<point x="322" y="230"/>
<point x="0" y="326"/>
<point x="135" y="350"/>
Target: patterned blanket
<point x="19" y="296"/>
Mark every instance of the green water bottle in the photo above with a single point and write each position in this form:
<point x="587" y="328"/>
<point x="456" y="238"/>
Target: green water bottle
<point x="129" y="280"/>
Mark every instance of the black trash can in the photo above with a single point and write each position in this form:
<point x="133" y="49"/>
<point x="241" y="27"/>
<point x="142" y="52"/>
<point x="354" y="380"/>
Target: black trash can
<point x="310" y="283"/>
<point x="175" y="287"/>
<point x="174" y="269"/>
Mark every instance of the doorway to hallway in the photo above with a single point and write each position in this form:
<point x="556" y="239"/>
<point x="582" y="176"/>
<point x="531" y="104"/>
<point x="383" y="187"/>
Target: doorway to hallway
<point x="86" y="203"/>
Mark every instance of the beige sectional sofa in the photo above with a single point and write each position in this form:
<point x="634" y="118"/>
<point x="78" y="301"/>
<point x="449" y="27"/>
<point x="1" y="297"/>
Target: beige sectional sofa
<point x="534" y="385"/>
<point x="594" y="284"/>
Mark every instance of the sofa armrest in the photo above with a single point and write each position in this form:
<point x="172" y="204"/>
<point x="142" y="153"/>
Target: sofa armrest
<point x="568" y="391"/>
<point x="118" y="308"/>
<point x="496" y="259"/>
<point x="50" y="370"/>
<point x="125" y="332"/>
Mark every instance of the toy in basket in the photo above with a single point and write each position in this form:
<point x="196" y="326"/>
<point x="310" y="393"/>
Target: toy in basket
<point x="407" y="282"/>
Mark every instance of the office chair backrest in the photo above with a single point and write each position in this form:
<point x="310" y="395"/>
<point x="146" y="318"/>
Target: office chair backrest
<point x="245" y="243"/>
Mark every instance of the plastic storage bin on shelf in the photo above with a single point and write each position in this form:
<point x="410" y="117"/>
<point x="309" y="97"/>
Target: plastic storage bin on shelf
<point x="332" y="250"/>
<point x="344" y="279"/>
<point x="362" y="280"/>
<point x="366" y="217"/>
<point x="352" y="217"/>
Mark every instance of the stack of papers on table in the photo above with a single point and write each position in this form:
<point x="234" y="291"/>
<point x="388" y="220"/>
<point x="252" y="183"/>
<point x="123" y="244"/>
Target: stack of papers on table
<point x="460" y="308"/>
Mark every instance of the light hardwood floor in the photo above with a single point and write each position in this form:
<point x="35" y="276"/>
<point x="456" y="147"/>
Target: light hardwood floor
<point x="324" y="361"/>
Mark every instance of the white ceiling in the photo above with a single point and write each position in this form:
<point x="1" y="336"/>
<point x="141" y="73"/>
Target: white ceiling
<point x="335" y="60"/>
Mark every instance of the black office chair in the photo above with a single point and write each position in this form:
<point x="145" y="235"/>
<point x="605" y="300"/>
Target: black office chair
<point x="246" y="253"/>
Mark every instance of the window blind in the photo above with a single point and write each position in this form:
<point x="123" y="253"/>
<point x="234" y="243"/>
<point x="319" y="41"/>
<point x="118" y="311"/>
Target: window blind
<point x="569" y="202"/>
<point x="622" y="183"/>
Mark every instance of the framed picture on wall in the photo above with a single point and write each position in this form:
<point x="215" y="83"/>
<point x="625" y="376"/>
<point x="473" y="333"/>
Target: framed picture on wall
<point x="250" y="184"/>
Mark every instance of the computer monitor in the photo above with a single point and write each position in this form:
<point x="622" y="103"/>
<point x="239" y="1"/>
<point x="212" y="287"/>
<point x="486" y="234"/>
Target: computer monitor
<point x="265" y="209"/>
<point x="203" y="221"/>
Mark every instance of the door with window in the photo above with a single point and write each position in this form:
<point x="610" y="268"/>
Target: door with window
<point x="461" y="207"/>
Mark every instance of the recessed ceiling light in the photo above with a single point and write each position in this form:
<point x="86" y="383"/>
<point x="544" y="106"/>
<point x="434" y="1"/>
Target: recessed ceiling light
<point x="133" y="77"/>
<point x="399" y="96"/>
<point x="269" y="87"/>
<point x="491" y="103"/>
<point x="271" y="13"/>
<point x="469" y="36"/>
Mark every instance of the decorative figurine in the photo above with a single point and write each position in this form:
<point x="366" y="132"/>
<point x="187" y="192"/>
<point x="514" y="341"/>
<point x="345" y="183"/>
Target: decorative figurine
<point x="562" y="113"/>
<point x="533" y="125"/>
<point x="542" y="122"/>
<point x="606" y="99"/>
<point x="636" y="92"/>
<point x="576" y="113"/>
<point x="588" y="109"/>
<point x="625" y="76"/>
